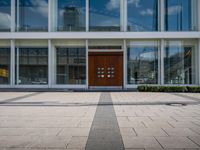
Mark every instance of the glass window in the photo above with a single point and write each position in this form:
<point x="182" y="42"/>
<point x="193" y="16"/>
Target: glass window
<point x="5" y="15"/>
<point x="179" y="62"/>
<point x="142" y="62"/>
<point x="178" y="15"/>
<point x="71" y="15"/>
<point x="104" y="15"/>
<point x="4" y="65"/>
<point x="32" y="15"/>
<point x="142" y="15"/>
<point x="32" y="65"/>
<point x="71" y="65"/>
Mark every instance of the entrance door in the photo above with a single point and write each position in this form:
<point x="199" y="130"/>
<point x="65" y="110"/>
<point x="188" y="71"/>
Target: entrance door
<point x="105" y="69"/>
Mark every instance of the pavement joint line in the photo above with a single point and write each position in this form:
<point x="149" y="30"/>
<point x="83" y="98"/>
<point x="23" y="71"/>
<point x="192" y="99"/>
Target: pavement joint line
<point x="104" y="132"/>
<point x="19" y="98"/>
<point x="186" y="96"/>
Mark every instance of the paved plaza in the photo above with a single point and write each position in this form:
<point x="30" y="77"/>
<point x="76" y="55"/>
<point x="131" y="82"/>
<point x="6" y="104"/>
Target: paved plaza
<point x="99" y="121"/>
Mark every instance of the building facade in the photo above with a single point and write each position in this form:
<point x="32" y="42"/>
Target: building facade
<point x="99" y="43"/>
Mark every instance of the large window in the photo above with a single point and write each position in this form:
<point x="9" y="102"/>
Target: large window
<point x="179" y="62"/>
<point x="5" y="15"/>
<point x="104" y="15"/>
<point x="71" y="65"/>
<point x="142" y="65"/>
<point x="142" y="15"/>
<point x="32" y="15"/>
<point x="31" y="63"/>
<point x="71" y="15"/>
<point x="179" y="15"/>
<point x="4" y="62"/>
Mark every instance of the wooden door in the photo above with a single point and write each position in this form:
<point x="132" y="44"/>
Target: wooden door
<point x="105" y="69"/>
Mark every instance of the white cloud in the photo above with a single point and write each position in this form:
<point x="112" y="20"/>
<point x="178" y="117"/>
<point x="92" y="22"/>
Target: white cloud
<point x="135" y="2"/>
<point x="43" y="9"/>
<point x="173" y="10"/>
<point x="5" y="21"/>
<point x="147" y="12"/>
<point x="113" y="4"/>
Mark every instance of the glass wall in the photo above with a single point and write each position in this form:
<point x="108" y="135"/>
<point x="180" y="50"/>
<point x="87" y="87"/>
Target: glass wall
<point x="5" y="15"/>
<point x="4" y="62"/>
<point x="179" y="15"/>
<point x="104" y="15"/>
<point x="142" y="15"/>
<point x="71" y="65"/>
<point x="142" y="62"/>
<point x="31" y="63"/>
<point x="71" y="15"/>
<point x="180" y="62"/>
<point x="32" y="15"/>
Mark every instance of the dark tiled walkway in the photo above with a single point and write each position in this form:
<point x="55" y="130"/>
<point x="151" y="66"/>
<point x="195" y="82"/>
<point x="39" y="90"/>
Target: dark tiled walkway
<point x="104" y="133"/>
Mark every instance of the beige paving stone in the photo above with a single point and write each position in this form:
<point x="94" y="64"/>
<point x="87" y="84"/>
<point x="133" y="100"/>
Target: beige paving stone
<point x="140" y="142"/>
<point x="127" y="131"/>
<point x="74" y="132"/>
<point x="77" y="143"/>
<point x="176" y="142"/>
<point x="151" y="132"/>
<point x="195" y="139"/>
<point x="180" y="132"/>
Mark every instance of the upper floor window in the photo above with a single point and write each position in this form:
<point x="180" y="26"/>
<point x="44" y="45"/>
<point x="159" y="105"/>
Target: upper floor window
<point x="32" y="15"/>
<point x="71" y="15"/>
<point x="104" y="15"/>
<point x="179" y="15"/>
<point x="5" y="15"/>
<point x="142" y="15"/>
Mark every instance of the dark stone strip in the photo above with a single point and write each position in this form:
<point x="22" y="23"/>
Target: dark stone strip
<point x="105" y="133"/>
<point x="18" y="98"/>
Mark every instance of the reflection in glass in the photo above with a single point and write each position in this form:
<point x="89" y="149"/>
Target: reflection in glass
<point x="71" y="15"/>
<point x="142" y="15"/>
<point x="179" y="63"/>
<point x="104" y="15"/>
<point x="32" y="66"/>
<point x="142" y="62"/>
<point x="5" y="15"/>
<point x="4" y="65"/>
<point x="178" y="15"/>
<point x="71" y="65"/>
<point x="32" y="15"/>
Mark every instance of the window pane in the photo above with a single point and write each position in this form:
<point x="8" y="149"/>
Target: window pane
<point x="142" y="15"/>
<point x="4" y="65"/>
<point x="179" y="62"/>
<point x="5" y="15"/>
<point x="33" y="15"/>
<point x="33" y="65"/>
<point x="71" y="65"/>
<point x="178" y="15"/>
<point x="142" y="62"/>
<point x="71" y="15"/>
<point x="104" y="15"/>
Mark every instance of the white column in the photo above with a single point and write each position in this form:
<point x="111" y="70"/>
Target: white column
<point x="87" y="15"/>
<point x="198" y="13"/>
<point x="87" y="69"/>
<point x="159" y="62"/>
<point x="198" y="52"/>
<point x="50" y="66"/>
<point x="17" y="15"/>
<point x="162" y="15"/>
<point x="125" y="16"/>
<point x="162" y="61"/>
<point x="121" y="15"/>
<point x="12" y="63"/>
<point x="12" y="15"/>
<point x="125" y="63"/>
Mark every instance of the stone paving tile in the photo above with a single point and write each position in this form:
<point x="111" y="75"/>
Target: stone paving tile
<point x="127" y="131"/>
<point x="140" y="142"/>
<point x="77" y="143"/>
<point x="180" y="132"/>
<point x="176" y="142"/>
<point x="195" y="139"/>
<point x="150" y="132"/>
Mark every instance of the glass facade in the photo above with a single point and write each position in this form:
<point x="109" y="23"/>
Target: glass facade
<point x="4" y="65"/>
<point x="5" y="15"/>
<point x="143" y="15"/>
<point x="180" y="62"/>
<point x="32" y="15"/>
<point x="104" y="15"/>
<point x="142" y="62"/>
<point x="178" y="15"/>
<point x="71" y="66"/>
<point x="71" y="15"/>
